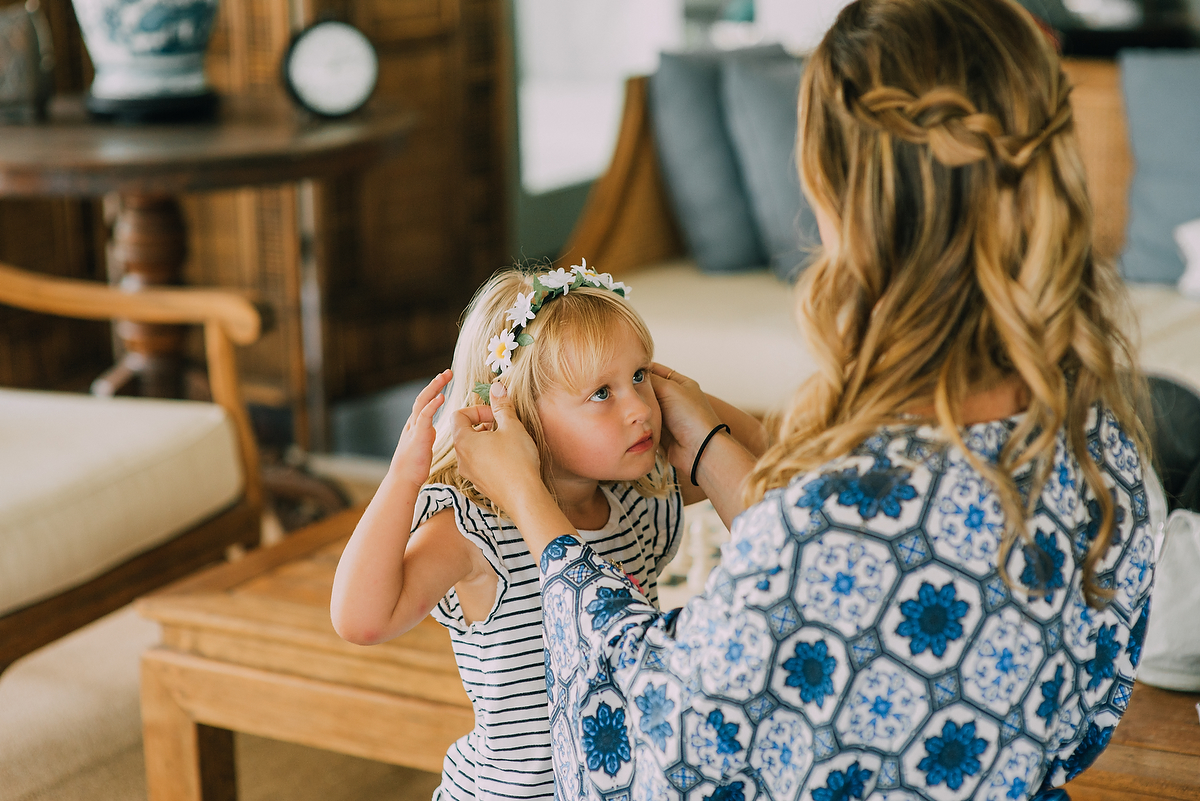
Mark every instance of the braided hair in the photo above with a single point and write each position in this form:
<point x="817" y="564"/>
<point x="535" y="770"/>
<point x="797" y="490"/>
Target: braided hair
<point x="936" y="138"/>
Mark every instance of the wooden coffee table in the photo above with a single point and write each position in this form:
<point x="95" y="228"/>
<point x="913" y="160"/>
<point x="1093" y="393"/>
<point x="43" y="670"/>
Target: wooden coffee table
<point x="248" y="646"/>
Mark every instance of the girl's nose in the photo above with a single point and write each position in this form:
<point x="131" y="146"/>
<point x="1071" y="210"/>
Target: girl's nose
<point x="637" y="409"/>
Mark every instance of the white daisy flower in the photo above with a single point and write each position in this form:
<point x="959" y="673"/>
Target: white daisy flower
<point x="589" y="273"/>
<point x="521" y="311"/>
<point x="557" y="279"/>
<point x="625" y="289"/>
<point x="500" y="351"/>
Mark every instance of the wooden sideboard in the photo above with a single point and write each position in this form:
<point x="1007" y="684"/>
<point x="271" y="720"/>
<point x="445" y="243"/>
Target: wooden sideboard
<point x="381" y="263"/>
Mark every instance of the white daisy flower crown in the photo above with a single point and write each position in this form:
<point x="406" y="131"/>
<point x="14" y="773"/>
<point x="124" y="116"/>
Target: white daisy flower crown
<point x="553" y="284"/>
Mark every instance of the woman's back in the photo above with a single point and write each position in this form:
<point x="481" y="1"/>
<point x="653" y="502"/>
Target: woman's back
<point x="858" y="637"/>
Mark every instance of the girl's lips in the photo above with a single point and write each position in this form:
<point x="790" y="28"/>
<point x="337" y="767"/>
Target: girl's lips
<point x="642" y="445"/>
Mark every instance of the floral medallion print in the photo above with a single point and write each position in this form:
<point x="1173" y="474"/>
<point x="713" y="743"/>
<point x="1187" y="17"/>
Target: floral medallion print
<point x="1063" y="491"/>
<point x="566" y="763"/>
<point x="932" y="618"/>
<point x="811" y="669"/>
<point x="1079" y="622"/>
<point x="1119" y="451"/>
<point x="649" y="783"/>
<point x="1044" y="703"/>
<point x="952" y="755"/>
<point x="844" y="581"/>
<point x="850" y="775"/>
<point x="843" y="785"/>
<point x="760" y="552"/>
<point x="656" y="709"/>
<point x="1016" y="774"/>
<point x="1103" y="664"/>
<point x="886" y="704"/>
<point x="767" y="587"/>
<point x="782" y="753"/>
<point x="967" y="524"/>
<point x="716" y="736"/>
<point x="607" y="605"/>
<point x="1002" y="661"/>
<point x="872" y="489"/>
<point x="858" y="641"/>
<point x="1136" y="572"/>
<point x="604" y="739"/>
<point x="811" y="672"/>
<point x="736" y="656"/>
<point x="559" y="625"/>
<point x="1042" y="573"/>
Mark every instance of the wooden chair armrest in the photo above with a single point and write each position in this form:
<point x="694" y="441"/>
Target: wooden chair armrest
<point x="238" y="317"/>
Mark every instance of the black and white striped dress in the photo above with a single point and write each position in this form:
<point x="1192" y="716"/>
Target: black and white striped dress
<point x="501" y="659"/>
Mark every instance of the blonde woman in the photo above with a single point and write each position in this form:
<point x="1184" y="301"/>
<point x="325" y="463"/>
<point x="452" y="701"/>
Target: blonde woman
<point x="940" y="587"/>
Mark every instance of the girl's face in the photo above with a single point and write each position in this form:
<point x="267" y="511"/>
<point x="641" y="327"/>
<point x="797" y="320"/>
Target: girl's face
<point x="609" y="428"/>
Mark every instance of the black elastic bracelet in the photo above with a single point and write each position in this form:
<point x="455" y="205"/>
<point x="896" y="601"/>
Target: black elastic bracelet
<point x="703" y="445"/>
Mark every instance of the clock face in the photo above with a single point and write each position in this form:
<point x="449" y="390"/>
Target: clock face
<point x="331" y="68"/>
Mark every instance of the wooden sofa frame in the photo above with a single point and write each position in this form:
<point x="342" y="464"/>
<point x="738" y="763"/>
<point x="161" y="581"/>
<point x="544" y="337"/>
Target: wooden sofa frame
<point x="627" y="222"/>
<point x="227" y="319"/>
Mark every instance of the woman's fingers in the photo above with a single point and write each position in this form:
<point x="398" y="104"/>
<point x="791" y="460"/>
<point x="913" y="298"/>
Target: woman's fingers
<point x="471" y="417"/>
<point x="494" y="458"/>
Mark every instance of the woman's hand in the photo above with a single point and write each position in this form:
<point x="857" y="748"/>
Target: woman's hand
<point x="687" y="415"/>
<point x="497" y="455"/>
<point x="414" y="452"/>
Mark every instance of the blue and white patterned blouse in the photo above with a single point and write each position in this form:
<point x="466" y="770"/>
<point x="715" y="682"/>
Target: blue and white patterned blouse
<point x="857" y="641"/>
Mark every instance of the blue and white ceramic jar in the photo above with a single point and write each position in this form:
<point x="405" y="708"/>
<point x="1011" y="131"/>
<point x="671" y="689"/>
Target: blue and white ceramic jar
<point x="148" y="55"/>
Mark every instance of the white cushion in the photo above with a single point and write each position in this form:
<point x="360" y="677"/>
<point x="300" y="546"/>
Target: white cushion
<point x="86" y="483"/>
<point x="736" y="334"/>
<point x="1170" y="332"/>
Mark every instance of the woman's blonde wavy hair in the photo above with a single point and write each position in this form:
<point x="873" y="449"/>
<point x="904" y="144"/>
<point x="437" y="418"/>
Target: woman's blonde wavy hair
<point x="937" y="137"/>
<point x="574" y="337"/>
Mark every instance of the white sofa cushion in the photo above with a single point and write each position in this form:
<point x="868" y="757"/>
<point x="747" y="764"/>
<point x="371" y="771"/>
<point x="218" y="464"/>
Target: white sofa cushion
<point x="86" y="483"/>
<point x="736" y="334"/>
<point x="1170" y="332"/>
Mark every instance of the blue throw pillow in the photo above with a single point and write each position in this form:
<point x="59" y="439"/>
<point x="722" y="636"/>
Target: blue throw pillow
<point x="1162" y="106"/>
<point x="760" y="100"/>
<point x="698" y="163"/>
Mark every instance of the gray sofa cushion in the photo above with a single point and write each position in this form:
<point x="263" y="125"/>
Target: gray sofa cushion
<point x="1162" y="105"/>
<point x="698" y="162"/>
<point x="760" y="100"/>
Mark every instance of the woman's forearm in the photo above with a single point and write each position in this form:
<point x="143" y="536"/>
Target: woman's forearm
<point x="746" y="428"/>
<point x="721" y="472"/>
<point x="538" y="518"/>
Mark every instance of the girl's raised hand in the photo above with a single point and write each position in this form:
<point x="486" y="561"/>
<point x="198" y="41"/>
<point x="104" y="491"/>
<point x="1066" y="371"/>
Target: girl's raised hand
<point x="494" y="451"/>
<point x="414" y="451"/>
<point x="687" y="414"/>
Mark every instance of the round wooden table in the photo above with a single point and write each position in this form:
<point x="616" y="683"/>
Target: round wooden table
<point x="254" y="140"/>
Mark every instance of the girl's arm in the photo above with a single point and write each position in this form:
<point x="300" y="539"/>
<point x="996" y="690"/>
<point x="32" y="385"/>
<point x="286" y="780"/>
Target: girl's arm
<point x="388" y="580"/>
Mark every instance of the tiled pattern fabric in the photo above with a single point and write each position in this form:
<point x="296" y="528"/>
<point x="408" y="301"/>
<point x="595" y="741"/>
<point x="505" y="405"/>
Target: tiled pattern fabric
<point x="857" y="640"/>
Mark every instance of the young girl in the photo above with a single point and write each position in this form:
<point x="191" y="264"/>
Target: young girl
<point x="574" y="358"/>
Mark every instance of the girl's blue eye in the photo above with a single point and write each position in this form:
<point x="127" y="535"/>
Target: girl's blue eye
<point x="601" y="394"/>
<point x="639" y="376"/>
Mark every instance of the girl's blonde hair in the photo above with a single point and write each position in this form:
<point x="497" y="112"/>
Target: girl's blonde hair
<point x="937" y="136"/>
<point x="574" y="336"/>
